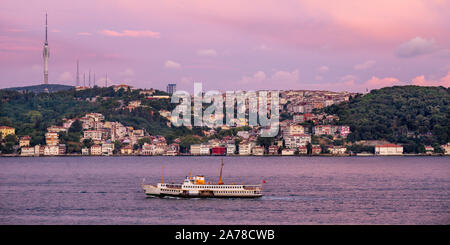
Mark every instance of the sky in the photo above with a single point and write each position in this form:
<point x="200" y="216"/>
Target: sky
<point x="229" y="45"/>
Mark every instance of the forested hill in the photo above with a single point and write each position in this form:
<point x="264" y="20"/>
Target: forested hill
<point x="401" y="114"/>
<point x="42" y="88"/>
<point x="31" y="113"/>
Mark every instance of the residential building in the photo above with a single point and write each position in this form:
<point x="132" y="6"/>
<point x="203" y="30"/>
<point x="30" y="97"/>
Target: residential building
<point x="273" y="150"/>
<point x="316" y="149"/>
<point x="51" y="150"/>
<point x="97" y="117"/>
<point x="160" y="148"/>
<point x="147" y="149"/>
<point x="337" y="150"/>
<point x="231" y="149"/>
<point x="56" y="129"/>
<point x="258" y="151"/>
<point x="288" y="152"/>
<point x="296" y="140"/>
<point x="52" y="138"/>
<point x="62" y="149"/>
<point x="388" y="149"/>
<point x="245" y="148"/>
<point x="446" y="148"/>
<point x="126" y="150"/>
<point x="96" y="150"/>
<point x="205" y="149"/>
<point x="218" y="151"/>
<point x="302" y="150"/>
<point x="293" y="129"/>
<point x="429" y="150"/>
<point x="5" y="130"/>
<point x="84" y="151"/>
<point x="27" y="151"/>
<point x="24" y="141"/>
<point x="96" y="135"/>
<point x="107" y="148"/>
<point x="195" y="149"/>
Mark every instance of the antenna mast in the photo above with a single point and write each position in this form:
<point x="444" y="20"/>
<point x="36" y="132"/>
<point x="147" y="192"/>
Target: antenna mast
<point x="220" y="177"/>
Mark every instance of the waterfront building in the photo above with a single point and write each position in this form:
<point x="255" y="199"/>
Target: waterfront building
<point x="258" y="151"/>
<point x="337" y="150"/>
<point x="429" y="150"/>
<point x="96" y="150"/>
<point x="160" y="148"/>
<point x="51" y="150"/>
<point x="288" y="152"/>
<point x="245" y="148"/>
<point x="84" y="151"/>
<point x="316" y="149"/>
<point x="205" y="149"/>
<point x="107" y="148"/>
<point x="218" y="151"/>
<point x="302" y="150"/>
<point x="147" y="149"/>
<point x="273" y="150"/>
<point x="38" y="150"/>
<point x="388" y="149"/>
<point x="446" y="148"/>
<point x="126" y="150"/>
<point x="195" y="149"/>
<point x="27" y="151"/>
<point x="231" y="149"/>
<point x="62" y="149"/>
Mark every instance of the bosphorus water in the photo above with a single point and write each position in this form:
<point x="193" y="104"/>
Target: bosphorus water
<point x="298" y="190"/>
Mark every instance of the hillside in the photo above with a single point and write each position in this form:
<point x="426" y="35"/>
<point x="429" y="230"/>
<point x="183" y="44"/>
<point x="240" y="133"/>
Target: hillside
<point x="41" y="88"/>
<point x="410" y="115"/>
<point x="32" y="113"/>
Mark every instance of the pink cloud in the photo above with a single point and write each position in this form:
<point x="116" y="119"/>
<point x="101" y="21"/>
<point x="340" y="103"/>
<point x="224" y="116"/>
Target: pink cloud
<point x="131" y="33"/>
<point x="421" y="81"/>
<point x="376" y="82"/>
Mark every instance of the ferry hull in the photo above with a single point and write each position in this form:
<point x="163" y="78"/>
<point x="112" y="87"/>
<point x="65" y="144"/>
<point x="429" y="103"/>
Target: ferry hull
<point x="152" y="190"/>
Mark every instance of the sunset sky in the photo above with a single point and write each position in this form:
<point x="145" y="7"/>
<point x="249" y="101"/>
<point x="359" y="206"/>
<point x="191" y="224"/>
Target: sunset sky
<point x="229" y="45"/>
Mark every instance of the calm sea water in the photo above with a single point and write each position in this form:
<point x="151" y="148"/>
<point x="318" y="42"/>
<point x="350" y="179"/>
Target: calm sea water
<point x="298" y="190"/>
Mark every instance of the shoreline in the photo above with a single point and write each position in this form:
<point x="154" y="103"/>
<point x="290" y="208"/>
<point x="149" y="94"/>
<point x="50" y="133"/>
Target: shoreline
<point x="317" y="155"/>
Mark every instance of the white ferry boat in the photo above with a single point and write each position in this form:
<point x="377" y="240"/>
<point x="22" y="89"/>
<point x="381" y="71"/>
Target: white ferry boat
<point x="197" y="187"/>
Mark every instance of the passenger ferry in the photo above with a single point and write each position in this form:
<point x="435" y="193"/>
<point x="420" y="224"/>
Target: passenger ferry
<point x="197" y="187"/>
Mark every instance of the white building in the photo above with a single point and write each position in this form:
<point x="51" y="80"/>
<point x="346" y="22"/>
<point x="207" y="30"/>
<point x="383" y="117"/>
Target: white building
<point x="296" y="140"/>
<point x="245" y="148"/>
<point x="288" y="152"/>
<point x="205" y="149"/>
<point x="195" y="149"/>
<point x="51" y="150"/>
<point x="231" y="149"/>
<point x="258" y="151"/>
<point x="107" y="148"/>
<point x="27" y="151"/>
<point x="388" y="149"/>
